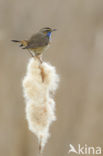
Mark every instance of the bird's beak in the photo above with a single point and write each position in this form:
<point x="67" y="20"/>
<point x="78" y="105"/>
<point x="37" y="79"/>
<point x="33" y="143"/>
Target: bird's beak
<point x="54" y="29"/>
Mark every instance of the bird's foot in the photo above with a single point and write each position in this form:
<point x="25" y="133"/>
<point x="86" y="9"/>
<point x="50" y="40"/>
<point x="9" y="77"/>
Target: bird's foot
<point x="39" y="57"/>
<point x="30" y="53"/>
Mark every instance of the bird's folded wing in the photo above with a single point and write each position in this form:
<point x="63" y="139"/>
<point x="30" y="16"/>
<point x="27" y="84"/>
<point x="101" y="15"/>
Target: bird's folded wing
<point x="38" y="40"/>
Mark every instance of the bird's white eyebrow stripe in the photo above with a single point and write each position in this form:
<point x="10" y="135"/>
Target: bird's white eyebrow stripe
<point x="46" y="28"/>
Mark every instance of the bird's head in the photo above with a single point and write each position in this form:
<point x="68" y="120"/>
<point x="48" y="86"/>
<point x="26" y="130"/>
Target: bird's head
<point x="47" y="31"/>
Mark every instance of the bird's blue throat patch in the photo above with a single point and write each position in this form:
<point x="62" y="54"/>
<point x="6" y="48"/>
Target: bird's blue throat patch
<point x="49" y="34"/>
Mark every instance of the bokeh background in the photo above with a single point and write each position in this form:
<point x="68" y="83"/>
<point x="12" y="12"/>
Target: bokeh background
<point x="77" y="53"/>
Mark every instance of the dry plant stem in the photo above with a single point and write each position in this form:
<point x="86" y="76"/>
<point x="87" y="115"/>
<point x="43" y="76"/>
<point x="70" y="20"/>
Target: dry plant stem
<point x="42" y="73"/>
<point x="40" y="148"/>
<point x="40" y="105"/>
<point x="39" y="57"/>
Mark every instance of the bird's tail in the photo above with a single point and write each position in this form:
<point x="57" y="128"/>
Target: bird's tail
<point x="22" y="43"/>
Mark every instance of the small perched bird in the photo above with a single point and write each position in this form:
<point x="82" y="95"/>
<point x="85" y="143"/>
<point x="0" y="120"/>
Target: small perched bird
<point x="38" y="43"/>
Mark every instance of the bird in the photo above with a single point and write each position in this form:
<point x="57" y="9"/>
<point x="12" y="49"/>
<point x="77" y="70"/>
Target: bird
<point x="37" y="43"/>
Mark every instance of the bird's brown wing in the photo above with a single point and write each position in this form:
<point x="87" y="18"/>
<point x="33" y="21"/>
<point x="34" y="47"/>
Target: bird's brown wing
<point x="38" y="40"/>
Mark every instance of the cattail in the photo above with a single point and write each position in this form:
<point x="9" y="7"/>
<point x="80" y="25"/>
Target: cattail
<point x="39" y="86"/>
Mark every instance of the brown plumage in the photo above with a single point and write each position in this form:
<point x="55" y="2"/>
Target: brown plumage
<point x="38" y="42"/>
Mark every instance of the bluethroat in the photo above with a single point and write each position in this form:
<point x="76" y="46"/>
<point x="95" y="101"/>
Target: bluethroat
<point x="38" y="43"/>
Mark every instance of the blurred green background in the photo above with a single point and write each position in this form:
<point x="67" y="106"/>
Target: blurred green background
<point x="77" y="53"/>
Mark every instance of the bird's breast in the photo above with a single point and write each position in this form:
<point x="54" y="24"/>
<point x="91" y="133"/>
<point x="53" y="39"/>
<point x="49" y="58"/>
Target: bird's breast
<point x="40" y="49"/>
